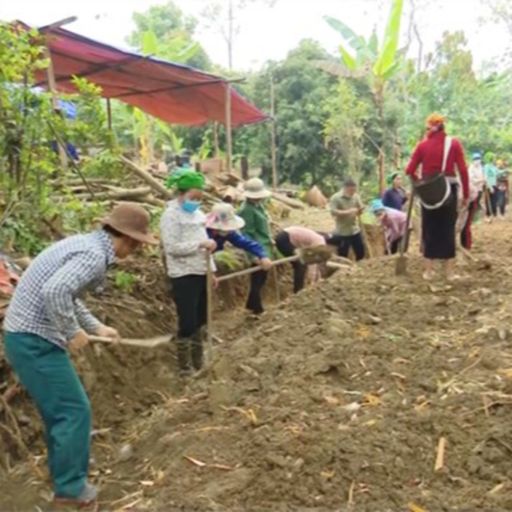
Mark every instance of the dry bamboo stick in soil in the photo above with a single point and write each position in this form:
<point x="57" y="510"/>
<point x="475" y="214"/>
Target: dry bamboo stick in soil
<point x="441" y="447"/>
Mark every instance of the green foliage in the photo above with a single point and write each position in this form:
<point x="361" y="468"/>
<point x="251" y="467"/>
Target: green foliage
<point x="386" y="59"/>
<point x="376" y="67"/>
<point x="164" y="31"/>
<point x="34" y="201"/>
<point x="230" y="260"/>
<point x="125" y="281"/>
<point x="300" y="92"/>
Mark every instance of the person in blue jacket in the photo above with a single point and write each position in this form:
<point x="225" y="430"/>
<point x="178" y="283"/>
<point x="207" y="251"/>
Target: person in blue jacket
<point x="223" y="226"/>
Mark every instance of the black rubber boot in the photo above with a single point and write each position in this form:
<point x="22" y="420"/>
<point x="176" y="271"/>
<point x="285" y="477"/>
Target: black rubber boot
<point x="197" y="351"/>
<point x="183" y="346"/>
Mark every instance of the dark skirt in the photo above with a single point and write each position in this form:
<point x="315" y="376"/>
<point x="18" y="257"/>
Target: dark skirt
<point x="438" y="229"/>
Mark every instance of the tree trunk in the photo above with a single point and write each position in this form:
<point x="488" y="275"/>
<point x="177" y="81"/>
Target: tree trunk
<point x="230" y="35"/>
<point x="379" y="100"/>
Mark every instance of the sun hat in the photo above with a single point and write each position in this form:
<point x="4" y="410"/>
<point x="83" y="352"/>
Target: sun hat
<point x="477" y="155"/>
<point x="223" y="218"/>
<point x="185" y="179"/>
<point x="132" y="220"/>
<point x="349" y="182"/>
<point x="255" y="189"/>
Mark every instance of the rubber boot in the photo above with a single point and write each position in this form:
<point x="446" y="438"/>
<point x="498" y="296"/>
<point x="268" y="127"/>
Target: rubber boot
<point x="197" y="350"/>
<point x="183" y="353"/>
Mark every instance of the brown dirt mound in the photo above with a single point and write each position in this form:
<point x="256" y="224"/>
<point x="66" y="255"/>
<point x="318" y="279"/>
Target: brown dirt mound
<point x="332" y="402"/>
<point x="335" y="401"/>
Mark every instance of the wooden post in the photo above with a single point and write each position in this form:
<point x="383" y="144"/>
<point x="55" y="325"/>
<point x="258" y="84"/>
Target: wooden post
<point x="244" y="167"/>
<point x="216" y="148"/>
<point x="109" y="114"/>
<point x="274" y="134"/>
<point x="209" y="309"/>
<point x="229" y="133"/>
<point x="52" y="86"/>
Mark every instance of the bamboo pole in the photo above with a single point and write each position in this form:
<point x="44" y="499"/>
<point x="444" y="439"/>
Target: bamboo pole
<point x="209" y="308"/>
<point x="251" y="270"/>
<point x="109" y="114"/>
<point x="229" y="130"/>
<point x="52" y="83"/>
<point x="274" y="134"/>
<point x="52" y="86"/>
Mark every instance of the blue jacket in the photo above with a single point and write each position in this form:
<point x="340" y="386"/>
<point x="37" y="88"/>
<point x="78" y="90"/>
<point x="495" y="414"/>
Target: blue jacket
<point x="394" y="199"/>
<point x="239" y="241"/>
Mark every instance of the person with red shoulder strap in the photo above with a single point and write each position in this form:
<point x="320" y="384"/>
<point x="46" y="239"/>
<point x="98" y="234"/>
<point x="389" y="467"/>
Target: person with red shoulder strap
<point x="436" y="154"/>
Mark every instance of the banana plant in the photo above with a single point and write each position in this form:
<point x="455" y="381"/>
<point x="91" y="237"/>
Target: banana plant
<point x="362" y="57"/>
<point x="148" y="130"/>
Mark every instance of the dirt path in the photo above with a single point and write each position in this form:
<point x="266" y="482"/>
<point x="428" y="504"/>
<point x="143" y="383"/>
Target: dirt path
<point x="337" y="400"/>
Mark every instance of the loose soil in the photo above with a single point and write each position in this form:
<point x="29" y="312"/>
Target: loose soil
<point x="334" y="400"/>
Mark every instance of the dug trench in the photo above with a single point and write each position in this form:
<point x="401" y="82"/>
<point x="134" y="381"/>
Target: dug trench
<point x="344" y="397"/>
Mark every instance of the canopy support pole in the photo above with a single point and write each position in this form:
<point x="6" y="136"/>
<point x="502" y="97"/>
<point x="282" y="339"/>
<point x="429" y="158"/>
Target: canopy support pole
<point x="229" y="131"/>
<point x="52" y="85"/>
<point x="274" y="134"/>
<point x="109" y="114"/>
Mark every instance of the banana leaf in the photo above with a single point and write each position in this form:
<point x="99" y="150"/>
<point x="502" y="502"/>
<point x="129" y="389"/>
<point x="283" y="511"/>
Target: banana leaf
<point x="387" y="55"/>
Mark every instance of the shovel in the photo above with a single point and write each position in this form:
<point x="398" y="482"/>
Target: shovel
<point x="308" y="256"/>
<point x="401" y="262"/>
<point x="157" y="341"/>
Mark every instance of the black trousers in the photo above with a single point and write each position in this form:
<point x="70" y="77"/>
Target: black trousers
<point x="491" y="206"/>
<point x="344" y="244"/>
<point x="190" y="297"/>
<point x="438" y="229"/>
<point x="254" y="302"/>
<point x="501" y="201"/>
<point x="395" y="246"/>
<point x="286" y="248"/>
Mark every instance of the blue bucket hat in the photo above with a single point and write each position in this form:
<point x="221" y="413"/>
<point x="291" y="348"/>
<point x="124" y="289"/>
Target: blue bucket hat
<point x="377" y="206"/>
<point x="477" y="156"/>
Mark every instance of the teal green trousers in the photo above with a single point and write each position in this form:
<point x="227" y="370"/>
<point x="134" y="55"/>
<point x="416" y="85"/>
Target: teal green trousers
<point x="46" y="372"/>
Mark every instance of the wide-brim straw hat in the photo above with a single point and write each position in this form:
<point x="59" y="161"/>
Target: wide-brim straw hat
<point x="223" y="218"/>
<point x="255" y="189"/>
<point x="131" y="220"/>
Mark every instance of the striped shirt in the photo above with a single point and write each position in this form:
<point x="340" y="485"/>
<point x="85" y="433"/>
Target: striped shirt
<point x="46" y="300"/>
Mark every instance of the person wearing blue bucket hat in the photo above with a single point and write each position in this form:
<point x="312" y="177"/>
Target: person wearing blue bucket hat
<point x="393" y="222"/>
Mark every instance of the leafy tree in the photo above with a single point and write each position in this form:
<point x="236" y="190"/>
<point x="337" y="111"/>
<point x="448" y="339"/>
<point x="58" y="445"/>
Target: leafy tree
<point x="300" y="92"/>
<point x="164" y="31"/>
<point x="377" y="63"/>
<point x="32" y="184"/>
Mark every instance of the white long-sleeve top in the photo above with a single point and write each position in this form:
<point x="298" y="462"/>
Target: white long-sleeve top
<point x="181" y="234"/>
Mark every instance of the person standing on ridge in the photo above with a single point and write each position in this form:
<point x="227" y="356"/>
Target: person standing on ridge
<point x="502" y="193"/>
<point x="439" y="221"/>
<point x="476" y="188"/>
<point x="491" y="187"/>
<point x="395" y="197"/>
<point x="346" y="208"/>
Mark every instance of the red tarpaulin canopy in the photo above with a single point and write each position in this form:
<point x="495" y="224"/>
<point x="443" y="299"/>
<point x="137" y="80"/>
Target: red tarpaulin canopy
<point x="172" y="92"/>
